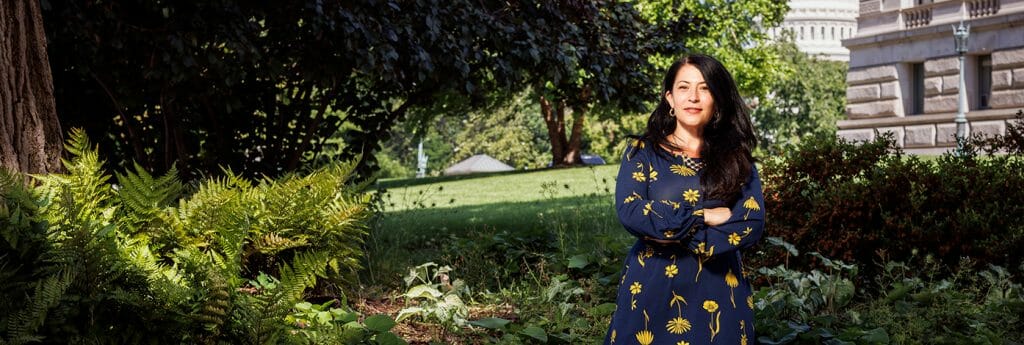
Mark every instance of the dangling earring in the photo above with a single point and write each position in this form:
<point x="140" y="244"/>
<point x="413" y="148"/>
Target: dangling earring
<point x="672" y="112"/>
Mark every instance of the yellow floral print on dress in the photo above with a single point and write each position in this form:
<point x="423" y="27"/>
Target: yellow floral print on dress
<point x="648" y="209"/>
<point x="743" y="333"/>
<point x="682" y="343"/>
<point x="639" y="176"/>
<point x="691" y="196"/>
<point x="674" y="204"/>
<point x="712" y="307"/>
<point x="750" y="205"/>
<point x="678" y="325"/>
<point x="653" y="176"/>
<point x="703" y="255"/>
<point x="750" y="302"/>
<point x="613" y="336"/>
<point x="733" y="282"/>
<point x="634" y="290"/>
<point x="631" y="198"/>
<point x="734" y="239"/>
<point x="645" y="337"/>
<point x="682" y="170"/>
<point x="671" y="270"/>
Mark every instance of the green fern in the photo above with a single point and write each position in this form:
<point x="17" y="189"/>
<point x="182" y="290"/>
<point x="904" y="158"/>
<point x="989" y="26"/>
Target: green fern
<point x="48" y="292"/>
<point x="142" y="195"/>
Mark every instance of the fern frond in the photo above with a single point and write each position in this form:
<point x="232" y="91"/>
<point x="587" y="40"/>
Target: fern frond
<point x="144" y="194"/>
<point x="47" y="294"/>
<point x="273" y="244"/>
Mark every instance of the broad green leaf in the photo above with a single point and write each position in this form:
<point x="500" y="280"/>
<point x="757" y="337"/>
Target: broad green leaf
<point x="424" y="291"/>
<point x="876" y="336"/>
<point x="578" y="261"/>
<point x="379" y="323"/>
<point x="407" y="312"/>
<point x="388" y="338"/>
<point x="535" y="333"/>
<point x="491" y="323"/>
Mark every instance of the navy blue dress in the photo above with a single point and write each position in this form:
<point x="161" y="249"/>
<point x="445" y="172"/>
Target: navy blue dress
<point x="692" y="291"/>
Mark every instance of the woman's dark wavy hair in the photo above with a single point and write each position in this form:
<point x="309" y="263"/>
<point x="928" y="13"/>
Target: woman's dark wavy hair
<point x="728" y="136"/>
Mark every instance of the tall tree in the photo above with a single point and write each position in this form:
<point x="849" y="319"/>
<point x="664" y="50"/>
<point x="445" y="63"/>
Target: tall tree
<point x="733" y="31"/>
<point x="585" y="58"/>
<point x="30" y="135"/>
<point x="807" y="102"/>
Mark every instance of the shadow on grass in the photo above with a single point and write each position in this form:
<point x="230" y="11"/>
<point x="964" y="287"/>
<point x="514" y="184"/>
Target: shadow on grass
<point x="410" y="182"/>
<point x="501" y="215"/>
<point x="557" y="226"/>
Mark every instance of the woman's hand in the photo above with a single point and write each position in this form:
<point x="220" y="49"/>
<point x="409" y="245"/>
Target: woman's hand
<point x="716" y="216"/>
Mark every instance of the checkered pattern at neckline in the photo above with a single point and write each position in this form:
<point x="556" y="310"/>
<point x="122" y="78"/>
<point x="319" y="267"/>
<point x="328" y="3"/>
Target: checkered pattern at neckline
<point x="692" y="163"/>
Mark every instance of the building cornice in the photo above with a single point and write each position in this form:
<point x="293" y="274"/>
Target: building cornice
<point x="973" y="115"/>
<point x="935" y="30"/>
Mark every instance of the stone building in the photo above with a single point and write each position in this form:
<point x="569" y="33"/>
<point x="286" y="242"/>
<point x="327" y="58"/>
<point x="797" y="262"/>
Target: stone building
<point x="819" y="26"/>
<point x="903" y="74"/>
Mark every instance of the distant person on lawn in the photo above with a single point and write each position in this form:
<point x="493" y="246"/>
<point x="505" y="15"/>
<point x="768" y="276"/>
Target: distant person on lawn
<point x="689" y="191"/>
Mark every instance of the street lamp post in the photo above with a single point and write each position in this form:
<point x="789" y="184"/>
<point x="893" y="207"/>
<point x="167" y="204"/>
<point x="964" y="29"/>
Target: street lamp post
<point x="960" y="38"/>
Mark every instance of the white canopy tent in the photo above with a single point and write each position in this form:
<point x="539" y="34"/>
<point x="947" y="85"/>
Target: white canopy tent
<point x="476" y="164"/>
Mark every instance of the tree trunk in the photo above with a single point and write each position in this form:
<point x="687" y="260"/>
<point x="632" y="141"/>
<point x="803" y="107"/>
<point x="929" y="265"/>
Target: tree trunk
<point x="30" y="134"/>
<point x="554" y="118"/>
<point x="565" y="151"/>
<point x="572" y="155"/>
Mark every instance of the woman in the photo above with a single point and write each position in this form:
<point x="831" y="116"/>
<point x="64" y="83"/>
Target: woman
<point x="689" y="191"/>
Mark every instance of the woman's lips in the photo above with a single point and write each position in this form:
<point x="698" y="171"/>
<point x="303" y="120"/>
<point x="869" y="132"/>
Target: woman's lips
<point x="692" y="110"/>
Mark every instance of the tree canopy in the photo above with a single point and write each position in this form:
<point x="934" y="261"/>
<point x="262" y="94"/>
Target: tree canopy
<point x="258" y="87"/>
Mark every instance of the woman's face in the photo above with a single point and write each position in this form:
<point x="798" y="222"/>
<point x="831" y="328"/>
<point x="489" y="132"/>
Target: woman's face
<point x="691" y="99"/>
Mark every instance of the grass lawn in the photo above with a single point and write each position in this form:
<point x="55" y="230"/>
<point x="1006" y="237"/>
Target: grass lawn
<point x="432" y="219"/>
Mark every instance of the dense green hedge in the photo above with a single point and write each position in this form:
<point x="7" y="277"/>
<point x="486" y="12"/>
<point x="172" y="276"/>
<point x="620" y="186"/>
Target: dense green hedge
<point x="869" y="202"/>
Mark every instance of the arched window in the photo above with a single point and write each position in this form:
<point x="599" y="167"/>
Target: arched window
<point x="833" y="32"/>
<point x="801" y="32"/>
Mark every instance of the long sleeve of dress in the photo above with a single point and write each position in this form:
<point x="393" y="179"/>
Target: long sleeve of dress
<point x="641" y="216"/>
<point x="742" y="230"/>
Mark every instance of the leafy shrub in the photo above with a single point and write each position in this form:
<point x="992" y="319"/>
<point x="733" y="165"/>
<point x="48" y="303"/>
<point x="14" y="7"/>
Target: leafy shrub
<point x="868" y="202"/>
<point x="435" y="297"/>
<point x="920" y="302"/>
<point x="87" y="261"/>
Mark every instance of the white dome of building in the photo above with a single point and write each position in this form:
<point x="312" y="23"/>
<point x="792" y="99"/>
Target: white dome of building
<point x="819" y="26"/>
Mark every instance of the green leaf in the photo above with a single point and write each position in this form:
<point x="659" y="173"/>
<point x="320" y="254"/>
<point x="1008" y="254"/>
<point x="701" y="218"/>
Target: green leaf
<point x="535" y="333"/>
<point x="407" y="312"/>
<point x="492" y="323"/>
<point x="379" y="323"/>
<point x="876" y="336"/>
<point x="346" y="317"/>
<point x="780" y="242"/>
<point x="578" y="261"/>
<point x="388" y="338"/>
<point x="602" y="309"/>
<point x="424" y="291"/>
<point x="303" y="306"/>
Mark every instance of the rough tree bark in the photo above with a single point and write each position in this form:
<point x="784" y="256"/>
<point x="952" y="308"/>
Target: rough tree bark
<point x="30" y="134"/>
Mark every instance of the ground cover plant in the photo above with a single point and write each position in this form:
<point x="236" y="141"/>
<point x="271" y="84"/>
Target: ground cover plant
<point x="537" y="256"/>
